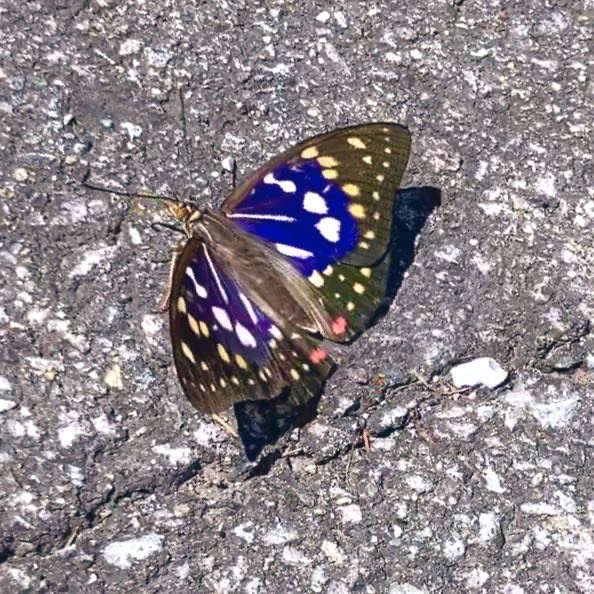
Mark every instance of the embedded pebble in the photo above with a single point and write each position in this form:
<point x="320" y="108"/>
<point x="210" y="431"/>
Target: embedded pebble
<point x="130" y="46"/>
<point x="121" y="553"/>
<point x="20" y="174"/>
<point x="228" y="164"/>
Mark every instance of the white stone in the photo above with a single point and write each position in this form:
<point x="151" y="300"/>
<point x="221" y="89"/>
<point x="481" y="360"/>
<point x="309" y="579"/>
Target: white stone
<point x="482" y="371"/>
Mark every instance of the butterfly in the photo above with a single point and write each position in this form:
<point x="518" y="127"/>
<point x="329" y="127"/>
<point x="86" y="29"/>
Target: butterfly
<point x="297" y="254"/>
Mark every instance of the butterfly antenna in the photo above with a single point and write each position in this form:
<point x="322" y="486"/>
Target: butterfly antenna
<point x="127" y="194"/>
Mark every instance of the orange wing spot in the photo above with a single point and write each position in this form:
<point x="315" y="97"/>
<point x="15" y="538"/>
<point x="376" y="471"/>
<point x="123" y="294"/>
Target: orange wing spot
<point x="317" y="355"/>
<point x="339" y="325"/>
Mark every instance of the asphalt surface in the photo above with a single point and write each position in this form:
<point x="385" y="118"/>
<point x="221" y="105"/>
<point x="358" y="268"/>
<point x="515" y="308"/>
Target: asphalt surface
<point x="111" y="482"/>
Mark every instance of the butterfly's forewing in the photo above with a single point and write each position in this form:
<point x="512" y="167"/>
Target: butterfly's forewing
<point x="225" y="348"/>
<point x="327" y="205"/>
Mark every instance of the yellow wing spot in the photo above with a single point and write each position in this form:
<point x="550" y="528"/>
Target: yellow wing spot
<point x="305" y="367"/>
<point x="363" y="245"/>
<point x="380" y="178"/>
<point x="316" y="279"/>
<point x="181" y="305"/>
<point x="262" y="376"/>
<point x="204" y="329"/>
<point x="336" y="295"/>
<point x="272" y="343"/>
<point x="376" y="216"/>
<point x="341" y="278"/>
<point x="350" y="306"/>
<point x="366" y="272"/>
<point x="388" y="150"/>
<point x="311" y="152"/>
<point x="223" y="354"/>
<point x="327" y="161"/>
<point x="234" y="380"/>
<point x="294" y="374"/>
<point x="213" y="388"/>
<point x="187" y="352"/>
<point x="367" y="159"/>
<point x="352" y="190"/>
<point x="193" y="325"/>
<point x="369" y="235"/>
<point x="203" y="366"/>
<point x="357" y="210"/>
<point x="202" y="387"/>
<point x="359" y="288"/>
<point x="223" y="383"/>
<point x="356" y="142"/>
<point x="328" y="270"/>
<point x="385" y="129"/>
<point x="376" y="195"/>
<point x="386" y="164"/>
<point x="251" y="382"/>
<point x="241" y="362"/>
<point x="282" y="357"/>
<point x="330" y="173"/>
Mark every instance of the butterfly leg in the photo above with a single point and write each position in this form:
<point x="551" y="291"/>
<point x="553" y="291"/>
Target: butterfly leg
<point x="166" y="298"/>
<point x="225" y="425"/>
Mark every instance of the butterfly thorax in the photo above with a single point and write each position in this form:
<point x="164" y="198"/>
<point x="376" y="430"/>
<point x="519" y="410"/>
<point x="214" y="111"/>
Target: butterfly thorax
<point x="268" y="278"/>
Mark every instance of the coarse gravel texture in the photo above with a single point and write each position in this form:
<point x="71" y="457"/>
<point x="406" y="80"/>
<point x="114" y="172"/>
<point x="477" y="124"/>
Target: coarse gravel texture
<point x="111" y="482"/>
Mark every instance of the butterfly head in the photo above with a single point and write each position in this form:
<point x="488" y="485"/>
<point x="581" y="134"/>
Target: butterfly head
<point x="182" y="211"/>
<point x="185" y="213"/>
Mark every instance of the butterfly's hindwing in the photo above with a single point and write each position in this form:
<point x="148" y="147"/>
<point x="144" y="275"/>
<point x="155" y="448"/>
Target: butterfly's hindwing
<point x="327" y="206"/>
<point x="225" y="348"/>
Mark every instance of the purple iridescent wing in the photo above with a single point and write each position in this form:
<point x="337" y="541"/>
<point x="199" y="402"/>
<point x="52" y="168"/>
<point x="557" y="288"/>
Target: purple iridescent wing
<point x="226" y="349"/>
<point x="327" y="206"/>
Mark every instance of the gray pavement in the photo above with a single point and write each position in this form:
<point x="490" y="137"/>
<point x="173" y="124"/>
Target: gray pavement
<point x="111" y="482"/>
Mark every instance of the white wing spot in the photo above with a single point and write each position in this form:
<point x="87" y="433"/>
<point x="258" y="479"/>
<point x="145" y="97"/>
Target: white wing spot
<point x="245" y="336"/>
<point x="216" y="276"/>
<point x="329" y="227"/>
<point x="200" y="290"/>
<point x="285" y="185"/>
<point x="289" y="250"/>
<point x="262" y="217"/>
<point x="274" y="331"/>
<point x="222" y="317"/>
<point x="249" y="308"/>
<point x="313" y="202"/>
<point x="316" y="279"/>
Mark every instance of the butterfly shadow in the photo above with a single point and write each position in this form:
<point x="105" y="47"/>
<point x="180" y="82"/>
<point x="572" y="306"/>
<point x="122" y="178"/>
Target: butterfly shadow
<point x="262" y="423"/>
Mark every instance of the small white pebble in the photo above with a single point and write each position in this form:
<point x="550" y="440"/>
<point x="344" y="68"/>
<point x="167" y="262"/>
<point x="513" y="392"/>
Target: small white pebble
<point x="483" y="371"/>
<point x="323" y="17"/>
<point x="20" y="174"/>
<point x="133" y="130"/>
<point x="228" y="164"/>
<point x="130" y="46"/>
<point x="113" y="377"/>
<point x="7" y="405"/>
